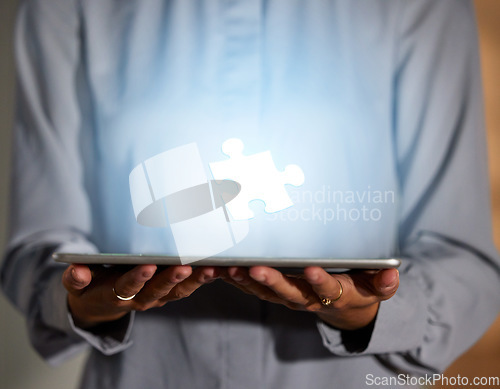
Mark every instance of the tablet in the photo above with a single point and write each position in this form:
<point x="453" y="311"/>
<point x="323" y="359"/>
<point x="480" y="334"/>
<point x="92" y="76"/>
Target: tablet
<point x="136" y="259"/>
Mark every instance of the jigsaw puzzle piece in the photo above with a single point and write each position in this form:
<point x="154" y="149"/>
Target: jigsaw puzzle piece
<point x="233" y="147"/>
<point x="258" y="177"/>
<point x="277" y="199"/>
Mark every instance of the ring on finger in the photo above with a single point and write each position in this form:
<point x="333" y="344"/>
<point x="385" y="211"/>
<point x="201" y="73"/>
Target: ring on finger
<point x="121" y="297"/>
<point x="327" y="302"/>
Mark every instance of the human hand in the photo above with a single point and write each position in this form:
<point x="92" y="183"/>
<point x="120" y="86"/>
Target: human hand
<point x="94" y="297"/>
<point x="352" y="299"/>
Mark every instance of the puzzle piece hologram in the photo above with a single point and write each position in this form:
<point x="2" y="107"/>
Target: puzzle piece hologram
<point x="258" y="177"/>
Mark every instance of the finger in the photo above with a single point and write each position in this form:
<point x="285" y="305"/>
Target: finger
<point x="131" y="283"/>
<point x="240" y="278"/>
<point x="386" y="283"/>
<point x="164" y="282"/>
<point x="294" y="291"/>
<point x="156" y="289"/>
<point x="353" y="290"/>
<point x="76" y="278"/>
<point x="339" y="289"/>
<point x="226" y="277"/>
<point x="200" y="276"/>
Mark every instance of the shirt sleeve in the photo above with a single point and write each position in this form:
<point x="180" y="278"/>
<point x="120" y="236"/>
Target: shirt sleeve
<point x="449" y="279"/>
<point x="49" y="209"/>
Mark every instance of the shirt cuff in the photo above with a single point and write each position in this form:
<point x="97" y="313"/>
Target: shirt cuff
<point x="109" y="338"/>
<point x="390" y="330"/>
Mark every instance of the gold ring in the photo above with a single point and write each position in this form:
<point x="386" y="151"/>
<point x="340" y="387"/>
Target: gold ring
<point x="340" y="292"/>
<point x="327" y="302"/>
<point x="121" y="297"/>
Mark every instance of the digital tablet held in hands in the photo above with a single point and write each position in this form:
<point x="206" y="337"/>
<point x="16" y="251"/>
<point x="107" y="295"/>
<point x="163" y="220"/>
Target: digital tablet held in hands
<point x="136" y="259"/>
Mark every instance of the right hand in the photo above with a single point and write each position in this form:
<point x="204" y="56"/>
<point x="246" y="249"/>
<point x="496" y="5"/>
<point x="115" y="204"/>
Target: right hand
<point x="92" y="301"/>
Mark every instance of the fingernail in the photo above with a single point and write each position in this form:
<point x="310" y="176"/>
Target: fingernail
<point x="180" y="277"/>
<point x="74" y="274"/>
<point x="259" y="277"/>
<point x="237" y="277"/>
<point x="389" y="279"/>
<point x="389" y="287"/>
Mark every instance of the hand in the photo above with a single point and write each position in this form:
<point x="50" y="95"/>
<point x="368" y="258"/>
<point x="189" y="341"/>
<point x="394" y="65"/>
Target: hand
<point x="92" y="299"/>
<point x="357" y="306"/>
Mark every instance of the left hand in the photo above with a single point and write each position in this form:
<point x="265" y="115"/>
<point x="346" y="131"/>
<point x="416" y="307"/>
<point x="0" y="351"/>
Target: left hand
<point x="360" y="292"/>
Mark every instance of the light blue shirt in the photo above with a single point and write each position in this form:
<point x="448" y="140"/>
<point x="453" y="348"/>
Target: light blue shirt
<point x="379" y="102"/>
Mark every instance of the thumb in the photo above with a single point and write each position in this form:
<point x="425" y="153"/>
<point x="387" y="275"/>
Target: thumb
<point x="386" y="283"/>
<point x="76" y="278"/>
